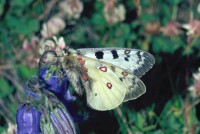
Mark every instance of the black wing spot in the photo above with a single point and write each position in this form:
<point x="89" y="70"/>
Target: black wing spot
<point x="139" y="57"/>
<point x="99" y="54"/>
<point x="114" y="53"/>
<point x="126" y="59"/>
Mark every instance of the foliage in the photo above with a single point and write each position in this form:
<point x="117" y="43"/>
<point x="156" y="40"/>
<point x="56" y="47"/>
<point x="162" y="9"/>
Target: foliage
<point x="167" y="29"/>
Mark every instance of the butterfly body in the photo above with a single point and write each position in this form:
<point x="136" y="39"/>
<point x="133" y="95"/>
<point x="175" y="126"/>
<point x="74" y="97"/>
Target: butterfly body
<point x="109" y="76"/>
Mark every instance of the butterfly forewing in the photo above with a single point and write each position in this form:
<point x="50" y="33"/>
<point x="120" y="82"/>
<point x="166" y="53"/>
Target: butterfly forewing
<point x="133" y="60"/>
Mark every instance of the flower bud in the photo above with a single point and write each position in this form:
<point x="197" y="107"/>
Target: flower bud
<point x="55" y="118"/>
<point x="28" y="120"/>
<point x="62" y="122"/>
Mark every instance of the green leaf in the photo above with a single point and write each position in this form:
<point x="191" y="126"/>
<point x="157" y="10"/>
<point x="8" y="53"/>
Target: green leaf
<point x="166" y="44"/>
<point x="5" y="88"/>
<point x="26" y="72"/>
<point x="158" y="132"/>
<point x="167" y="12"/>
<point x="2" y="129"/>
<point x="148" y="128"/>
<point x="24" y="26"/>
<point x="148" y="18"/>
<point x="125" y="33"/>
<point x="98" y="20"/>
<point x="32" y="25"/>
<point x="2" y="2"/>
<point x="133" y="37"/>
<point x="175" y="2"/>
<point x="146" y="2"/>
<point x="80" y="35"/>
<point x="98" y="5"/>
<point x="188" y="50"/>
<point x="22" y="3"/>
<point x="117" y="42"/>
<point x="140" y="121"/>
<point x="13" y="107"/>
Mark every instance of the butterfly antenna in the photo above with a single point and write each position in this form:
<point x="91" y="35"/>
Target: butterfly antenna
<point x="70" y="38"/>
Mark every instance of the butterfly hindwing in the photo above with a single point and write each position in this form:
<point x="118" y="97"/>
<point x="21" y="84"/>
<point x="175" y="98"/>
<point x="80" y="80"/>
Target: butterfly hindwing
<point x="134" y="86"/>
<point x="136" y="61"/>
<point x="107" y="91"/>
<point x="110" y="85"/>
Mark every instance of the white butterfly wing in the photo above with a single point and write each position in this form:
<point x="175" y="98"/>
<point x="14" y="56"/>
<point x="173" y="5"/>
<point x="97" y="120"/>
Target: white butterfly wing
<point x="134" y="86"/>
<point x="107" y="91"/>
<point x="110" y="85"/>
<point x="136" y="61"/>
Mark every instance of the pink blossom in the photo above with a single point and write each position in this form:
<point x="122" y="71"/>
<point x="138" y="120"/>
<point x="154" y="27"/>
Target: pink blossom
<point x="193" y="28"/>
<point x="71" y="9"/>
<point x="52" y="27"/>
<point x="31" y="47"/>
<point x="56" y="44"/>
<point x="152" y="28"/>
<point x="25" y="45"/>
<point x="195" y="88"/>
<point x="114" y="13"/>
<point x="171" y="29"/>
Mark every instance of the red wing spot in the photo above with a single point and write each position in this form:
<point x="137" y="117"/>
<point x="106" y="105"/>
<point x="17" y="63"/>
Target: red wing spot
<point x="103" y="69"/>
<point x="84" y="77"/>
<point x="109" y="85"/>
<point x="127" y="51"/>
<point x="81" y="61"/>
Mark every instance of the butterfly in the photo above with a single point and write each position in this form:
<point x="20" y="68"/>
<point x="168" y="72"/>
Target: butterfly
<point x="108" y="76"/>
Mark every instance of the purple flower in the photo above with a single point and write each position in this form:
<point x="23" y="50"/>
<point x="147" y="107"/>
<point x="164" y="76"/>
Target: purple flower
<point x="55" y="82"/>
<point x="32" y="94"/>
<point x="28" y="120"/>
<point x="62" y="122"/>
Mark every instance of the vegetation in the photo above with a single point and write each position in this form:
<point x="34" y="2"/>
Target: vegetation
<point x="169" y="30"/>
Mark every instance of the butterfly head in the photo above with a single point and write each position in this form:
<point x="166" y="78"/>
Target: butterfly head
<point x="69" y="57"/>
